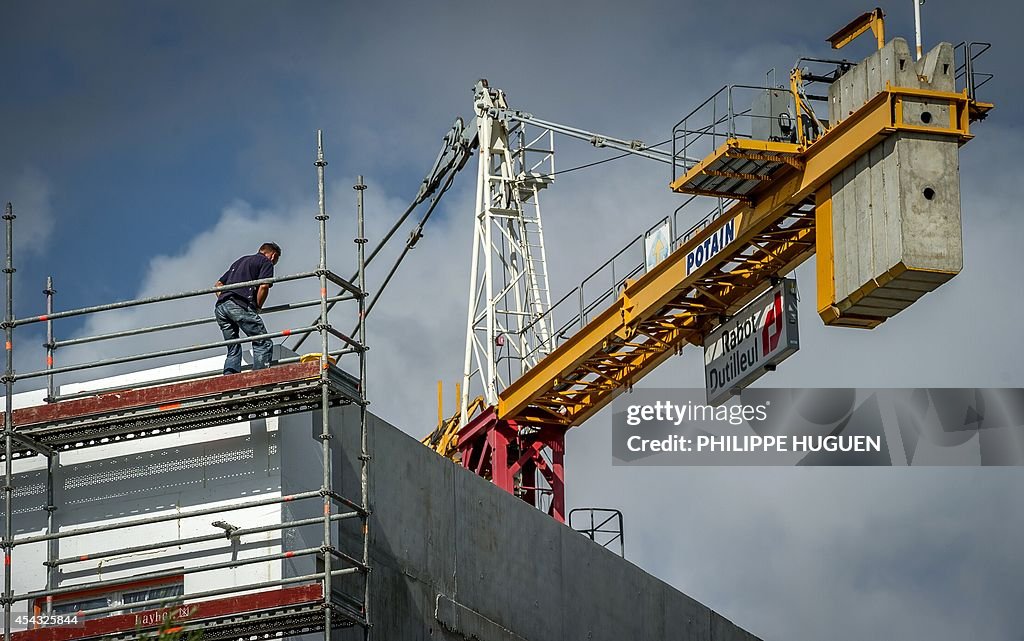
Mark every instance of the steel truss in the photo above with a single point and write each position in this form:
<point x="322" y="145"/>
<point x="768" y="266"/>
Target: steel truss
<point x="509" y="295"/>
<point x="283" y="607"/>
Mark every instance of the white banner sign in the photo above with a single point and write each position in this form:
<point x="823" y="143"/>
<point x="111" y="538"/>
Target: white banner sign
<point x="759" y="337"/>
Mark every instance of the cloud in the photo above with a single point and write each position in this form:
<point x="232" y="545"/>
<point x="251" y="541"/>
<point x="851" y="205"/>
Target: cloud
<point x="29" y="191"/>
<point x="240" y="229"/>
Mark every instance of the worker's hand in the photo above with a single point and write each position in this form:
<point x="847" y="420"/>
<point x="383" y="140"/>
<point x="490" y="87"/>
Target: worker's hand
<point x="261" y="295"/>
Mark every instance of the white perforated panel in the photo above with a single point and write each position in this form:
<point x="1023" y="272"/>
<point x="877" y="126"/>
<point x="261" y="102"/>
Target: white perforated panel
<point x="117" y="473"/>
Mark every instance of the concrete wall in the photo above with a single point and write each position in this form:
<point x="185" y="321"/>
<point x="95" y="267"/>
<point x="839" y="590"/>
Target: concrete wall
<point x="896" y="210"/>
<point x="456" y="558"/>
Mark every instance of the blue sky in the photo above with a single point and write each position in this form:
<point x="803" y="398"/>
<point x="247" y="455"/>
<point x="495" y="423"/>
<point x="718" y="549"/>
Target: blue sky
<point x="142" y="122"/>
<point x="146" y="145"/>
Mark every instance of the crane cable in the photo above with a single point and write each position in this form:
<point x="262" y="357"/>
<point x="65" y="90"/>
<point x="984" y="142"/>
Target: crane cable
<point x="450" y="160"/>
<point x="455" y="142"/>
<point x="410" y="243"/>
<point x="601" y="162"/>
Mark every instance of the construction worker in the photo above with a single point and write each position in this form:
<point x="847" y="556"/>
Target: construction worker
<point x="239" y="308"/>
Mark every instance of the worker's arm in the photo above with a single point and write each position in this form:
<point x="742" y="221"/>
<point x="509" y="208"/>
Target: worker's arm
<point x="218" y="284"/>
<point x="261" y="295"/>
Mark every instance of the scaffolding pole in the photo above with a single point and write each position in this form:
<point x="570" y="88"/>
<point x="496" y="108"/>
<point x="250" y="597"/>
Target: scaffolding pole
<point x="325" y="408"/>
<point x="51" y="344"/>
<point x="8" y="420"/>
<point x="364" y="454"/>
<point x="52" y="545"/>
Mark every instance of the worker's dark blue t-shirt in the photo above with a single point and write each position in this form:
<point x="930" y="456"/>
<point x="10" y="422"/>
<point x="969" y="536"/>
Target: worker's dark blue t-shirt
<point x="244" y="269"/>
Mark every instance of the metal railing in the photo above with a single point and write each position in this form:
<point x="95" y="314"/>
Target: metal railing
<point x="534" y="153"/>
<point x="601" y="525"/>
<point x="53" y="344"/>
<point x="965" y="75"/>
<point x="599" y="289"/>
<point x="727" y="113"/>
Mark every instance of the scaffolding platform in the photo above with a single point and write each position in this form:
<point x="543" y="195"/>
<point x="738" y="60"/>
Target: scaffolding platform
<point x="282" y="611"/>
<point x="163" y="409"/>
<point x="738" y="168"/>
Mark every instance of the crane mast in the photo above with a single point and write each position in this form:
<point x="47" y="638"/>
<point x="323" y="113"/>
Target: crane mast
<point x="507" y="326"/>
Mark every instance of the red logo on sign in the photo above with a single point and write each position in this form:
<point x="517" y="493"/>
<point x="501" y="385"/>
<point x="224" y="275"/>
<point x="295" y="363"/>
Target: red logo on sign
<point x="772" y="330"/>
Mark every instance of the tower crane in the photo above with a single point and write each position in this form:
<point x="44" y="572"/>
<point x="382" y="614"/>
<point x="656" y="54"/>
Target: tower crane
<point x="797" y="183"/>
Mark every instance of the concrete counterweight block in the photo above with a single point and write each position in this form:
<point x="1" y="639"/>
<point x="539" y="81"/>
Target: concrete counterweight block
<point x="895" y="211"/>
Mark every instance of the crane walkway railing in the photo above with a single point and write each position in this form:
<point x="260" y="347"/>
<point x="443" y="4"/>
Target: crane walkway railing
<point x="602" y="286"/>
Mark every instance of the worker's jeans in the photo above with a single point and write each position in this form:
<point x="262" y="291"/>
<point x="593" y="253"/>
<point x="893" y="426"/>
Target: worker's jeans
<point x="231" y="317"/>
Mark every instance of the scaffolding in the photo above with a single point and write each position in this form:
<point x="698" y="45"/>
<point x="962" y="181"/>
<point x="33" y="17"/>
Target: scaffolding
<point x="283" y="607"/>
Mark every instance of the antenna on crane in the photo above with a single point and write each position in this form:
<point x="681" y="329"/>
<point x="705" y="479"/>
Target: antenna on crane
<point x="507" y="327"/>
<point x="917" y="26"/>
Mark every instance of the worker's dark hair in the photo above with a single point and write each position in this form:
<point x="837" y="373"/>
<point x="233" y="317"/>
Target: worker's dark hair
<point x="274" y="247"/>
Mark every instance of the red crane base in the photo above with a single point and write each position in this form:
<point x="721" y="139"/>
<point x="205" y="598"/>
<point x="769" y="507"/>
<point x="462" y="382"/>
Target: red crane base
<point x="512" y="457"/>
